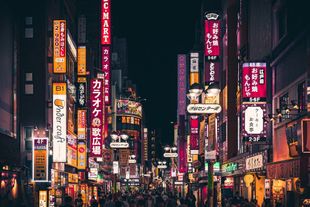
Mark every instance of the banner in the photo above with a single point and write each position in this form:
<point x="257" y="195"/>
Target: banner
<point x="128" y="107"/>
<point x="59" y="122"/>
<point x="81" y="65"/>
<point x="60" y="43"/>
<point x="82" y="156"/>
<point x="40" y="159"/>
<point x="254" y="86"/>
<point x="105" y="22"/>
<point x="96" y="120"/>
<point x="212" y="70"/>
<point x="81" y="118"/>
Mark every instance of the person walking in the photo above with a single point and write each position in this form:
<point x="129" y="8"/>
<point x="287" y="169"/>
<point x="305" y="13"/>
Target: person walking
<point x="93" y="202"/>
<point x="78" y="201"/>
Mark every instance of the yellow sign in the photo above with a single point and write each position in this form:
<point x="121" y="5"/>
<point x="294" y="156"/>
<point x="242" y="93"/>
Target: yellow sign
<point x="81" y="66"/>
<point x="248" y="179"/>
<point x="42" y="198"/>
<point x="82" y="156"/>
<point x="72" y="156"/>
<point x="73" y="178"/>
<point x="60" y="44"/>
<point x="194" y="78"/>
<point x="81" y="117"/>
<point x="59" y="89"/>
<point x="40" y="159"/>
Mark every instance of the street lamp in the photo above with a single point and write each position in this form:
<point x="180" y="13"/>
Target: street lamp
<point x="119" y="140"/>
<point x="213" y="89"/>
<point x="170" y="151"/>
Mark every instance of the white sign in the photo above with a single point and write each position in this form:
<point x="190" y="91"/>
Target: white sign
<point x="93" y="173"/>
<point x="59" y="122"/>
<point x="170" y="154"/>
<point x="178" y="182"/>
<point x="210" y="155"/>
<point x="204" y="108"/>
<point x="115" y="167"/>
<point x="253" y="120"/>
<point x="132" y="161"/>
<point x="255" y="162"/>
<point x="194" y="64"/>
<point x="162" y="166"/>
<point x="119" y="145"/>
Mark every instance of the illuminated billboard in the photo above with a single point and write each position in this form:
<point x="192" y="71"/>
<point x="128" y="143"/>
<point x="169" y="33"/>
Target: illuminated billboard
<point x="212" y="36"/>
<point x="96" y="110"/>
<point x="60" y="43"/>
<point x="59" y="122"/>
<point x="105" y="22"/>
<point x="106" y="69"/>
<point x="181" y="84"/>
<point x="254" y="83"/>
<point x="128" y="107"/>
<point x="81" y="65"/>
<point x="40" y="159"/>
<point x="81" y="118"/>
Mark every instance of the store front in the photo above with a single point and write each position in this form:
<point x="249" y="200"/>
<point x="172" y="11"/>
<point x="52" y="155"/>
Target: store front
<point x="255" y="177"/>
<point x="286" y="177"/>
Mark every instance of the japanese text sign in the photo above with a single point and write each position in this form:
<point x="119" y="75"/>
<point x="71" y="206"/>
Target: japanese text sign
<point x="40" y="159"/>
<point x="194" y="134"/>
<point x="96" y="114"/>
<point x="181" y="84"/>
<point x="212" y="36"/>
<point x="106" y="69"/>
<point x="254" y="82"/>
<point x="59" y="37"/>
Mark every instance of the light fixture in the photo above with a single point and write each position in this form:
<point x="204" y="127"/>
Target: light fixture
<point x="294" y="104"/>
<point x="124" y="137"/>
<point x="214" y="89"/>
<point x="279" y="113"/>
<point x="174" y="149"/>
<point x="195" y="89"/>
<point x="114" y="136"/>
<point x="167" y="148"/>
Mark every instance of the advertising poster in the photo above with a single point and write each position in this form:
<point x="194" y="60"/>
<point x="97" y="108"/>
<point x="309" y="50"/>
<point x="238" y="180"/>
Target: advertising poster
<point x="59" y="122"/>
<point x="81" y="118"/>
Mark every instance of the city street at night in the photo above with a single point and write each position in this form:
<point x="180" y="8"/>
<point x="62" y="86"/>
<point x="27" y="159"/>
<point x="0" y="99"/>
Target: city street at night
<point x="167" y="103"/>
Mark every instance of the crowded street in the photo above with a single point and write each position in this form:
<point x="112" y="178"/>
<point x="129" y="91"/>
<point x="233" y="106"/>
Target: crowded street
<point x="166" y="103"/>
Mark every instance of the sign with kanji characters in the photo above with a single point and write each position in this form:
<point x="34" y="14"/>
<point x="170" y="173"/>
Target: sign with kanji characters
<point x="106" y="69"/>
<point x="212" y="36"/>
<point x="254" y="82"/>
<point x="82" y="156"/>
<point x="96" y="114"/>
<point x="194" y="62"/>
<point x="40" y="159"/>
<point x="181" y="84"/>
<point x="194" y="134"/>
<point x="60" y="44"/>
<point x="105" y="22"/>
<point x="81" y="65"/>
<point x="59" y="122"/>
<point x="81" y="117"/>
<point x="81" y="91"/>
<point x="255" y="163"/>
<point x="253" y="124"/>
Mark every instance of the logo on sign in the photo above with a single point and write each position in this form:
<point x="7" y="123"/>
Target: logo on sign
<point x="204" y="108"/>
<point x="119" y="145"/>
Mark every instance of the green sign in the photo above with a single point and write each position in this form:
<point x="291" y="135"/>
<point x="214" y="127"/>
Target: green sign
<point x="229" y="167"/>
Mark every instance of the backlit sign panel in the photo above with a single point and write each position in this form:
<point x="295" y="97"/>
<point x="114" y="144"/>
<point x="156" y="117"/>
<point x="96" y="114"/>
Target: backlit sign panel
<point x="204" y="108"/>
<point x="82" y="156"/>
<point x="105" y="22"/>
<point x="81" y="118"/>
<point x="96" y="110"/>
<point x="254" y="83"/>
<point x="181" y="84"/>
<point x="40" y="159"/>
<point x="212" y="36"/>
<point x="212" y="70"/>
<point x="254" y="127"/>
<point x="60" y="43"/>
<point x="81" y="92"/>
<point x="106" y="69"/>
<point x="128" y="107"/>
<point x="194" y="134"/>
<point x="81" y="65"/>
<point x="59" y="122"/>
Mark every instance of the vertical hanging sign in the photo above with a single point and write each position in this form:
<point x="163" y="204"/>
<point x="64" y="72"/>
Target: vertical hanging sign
<point x="97" y="107"/>
<point x="59" y="122"/>
<point x="194" y="135"/>
<point x="212" y="36"/>
<point x="81" y="60"/>
<point x="40" y="159"/>
<point x="106" y="69"/>
<point x="59" y="37"/>
<point x="105" y="22"/>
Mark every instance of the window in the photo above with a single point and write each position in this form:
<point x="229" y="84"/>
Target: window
<point x="279" y="22"/>
<point x="284" y="102"/>
<point x="281" y="16"/>
<point x="28" y="138"/>
<point x="301" y="101"/>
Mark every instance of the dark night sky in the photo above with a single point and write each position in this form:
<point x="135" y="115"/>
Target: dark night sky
<point x="156" y="32"/>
